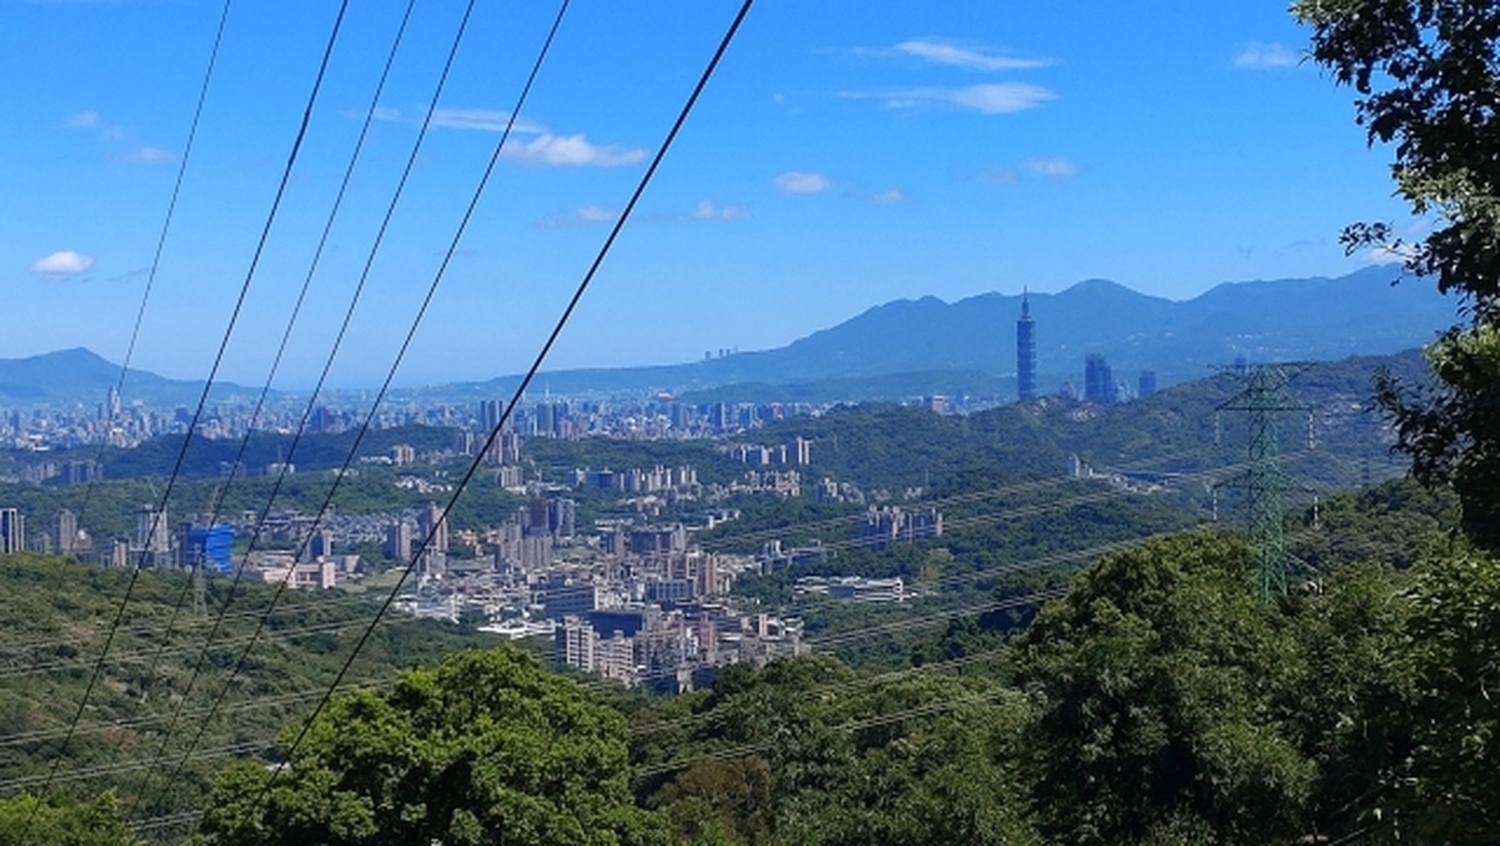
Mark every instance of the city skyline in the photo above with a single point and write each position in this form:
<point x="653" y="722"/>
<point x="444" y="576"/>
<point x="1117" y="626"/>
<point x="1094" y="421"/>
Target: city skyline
<point x="837" y="161"/>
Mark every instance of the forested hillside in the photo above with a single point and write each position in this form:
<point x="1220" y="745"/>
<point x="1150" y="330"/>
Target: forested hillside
<point x="159" y="686"/>
<point x="1159" y="700"/>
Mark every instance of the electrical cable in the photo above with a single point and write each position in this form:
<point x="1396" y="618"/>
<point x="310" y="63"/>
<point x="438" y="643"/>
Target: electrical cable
<point x="203" y="398"/>
<point x="291" y="322"/>
<point x="431" y="291"/>
<point x="161" y="241"/>
<point x="223" y="490"/>
<point x="536" y="364"/>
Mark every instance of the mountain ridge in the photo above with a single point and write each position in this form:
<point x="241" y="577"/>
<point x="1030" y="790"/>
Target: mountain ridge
<point x="1319" y="318"/>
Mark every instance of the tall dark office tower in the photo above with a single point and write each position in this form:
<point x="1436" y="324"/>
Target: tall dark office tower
<point x="1025" y="352"/>
<point x="1098" y="380"/>
<point x="1146" y="386"/>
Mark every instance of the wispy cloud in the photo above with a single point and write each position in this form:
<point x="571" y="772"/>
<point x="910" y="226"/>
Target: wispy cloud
<point x="146" y="155"/>
<point x="708" y="210"/>
<point x="82" y="120"/>
<point x="889" y="195"/>
<point x="999" y="175"/>
<point x="487" y="120"/>
<point x="1266" y="56"/>
<point x="92" y="121"/>
<point x="578" y="216"/>
<point x="483" y="120"/>
<point x="62" y="263"/>
<point x="571" y="151"/>
<point x="802" y="182"/>
<point x="995" y="98"/>
<point x="944" y="52"/>
<point x="1052" y="167"/>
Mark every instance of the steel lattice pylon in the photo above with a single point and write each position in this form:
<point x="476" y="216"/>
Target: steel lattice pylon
<point x="1263" y="399"/>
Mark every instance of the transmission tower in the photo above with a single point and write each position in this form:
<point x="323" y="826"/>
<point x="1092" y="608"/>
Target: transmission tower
<point x="1264" y="398"/>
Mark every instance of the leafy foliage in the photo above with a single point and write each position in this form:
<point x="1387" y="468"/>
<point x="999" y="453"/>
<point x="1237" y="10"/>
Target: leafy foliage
<point x="1426" y="81"/>
<point x="910" y="759"/>
<point x="487" y="748"/>
<point x="57" y="615"/>
<point x="1154" y="710"/>
<point x="64" y="821"/>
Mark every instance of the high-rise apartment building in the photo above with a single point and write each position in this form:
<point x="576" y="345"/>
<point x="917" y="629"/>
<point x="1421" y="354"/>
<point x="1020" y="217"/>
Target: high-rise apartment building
<point x="398" y="540"/>
<point x="432" y="527"/>
<point x="489" y="414"/>
<point x="12" y="530"/>
<point x="153" y="535"/>
<point x="65" y="532"/>
<point x="1025" y="351"/>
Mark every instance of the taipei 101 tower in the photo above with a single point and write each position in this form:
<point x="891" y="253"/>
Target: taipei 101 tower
<point x="1025" y="351"/>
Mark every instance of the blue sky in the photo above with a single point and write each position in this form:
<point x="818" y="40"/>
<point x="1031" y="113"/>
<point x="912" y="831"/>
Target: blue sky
<point x="846" y="154"/>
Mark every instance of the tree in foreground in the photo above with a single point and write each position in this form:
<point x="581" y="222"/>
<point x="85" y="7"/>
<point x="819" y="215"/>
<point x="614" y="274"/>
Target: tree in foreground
<point x="64" y="821"/>
<point x="486" y="749"/>
<point x="1162" y="677"/>
<point x="1427" y="82"/>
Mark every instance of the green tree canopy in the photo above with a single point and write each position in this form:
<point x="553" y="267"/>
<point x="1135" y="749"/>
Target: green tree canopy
<point x="64" y="821"/>
<point x="486" y="749"/>
<point x="1160" y="676"/>
<point x="1426" y="78"/>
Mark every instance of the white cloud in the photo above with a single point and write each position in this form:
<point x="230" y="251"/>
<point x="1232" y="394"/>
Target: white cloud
<point x="571" y="150"/>
<point x="485" y="120"/>
<point x="1266" y="56"/>
<point x="890" y="195"/>
<point x="999" y="175"/>
<point x="82" y="120"/>
<point x="995" y="98"/>
<point x="968" y="58"/>
<point x="488" y="120"/>
<point x="706" y="210"/>
<point x="597" y="214"/>
<point x="801" y="182"/>
<point x="582" y="215"/>
<point x="63" y="263"/>
<point x="1052" y="167"/>
<point x="147" y="155"/>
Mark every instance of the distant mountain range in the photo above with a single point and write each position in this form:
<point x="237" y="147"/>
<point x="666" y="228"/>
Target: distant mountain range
<point x="908" y="347"/>
<point x="69" y="377"/>
<point x="927" y="345"/>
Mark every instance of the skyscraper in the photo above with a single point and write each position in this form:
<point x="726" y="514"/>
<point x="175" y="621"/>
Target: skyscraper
<point x="65" y="532"/>
<point x="1146" y="385"/>
<point x="398" y="540"/>
<point x="153" y="535"/>
<point x="1098" y="379"/>
<point x="12" y="530"/>
<point x="432" y="526"/>
<point x="1025" y="351"/>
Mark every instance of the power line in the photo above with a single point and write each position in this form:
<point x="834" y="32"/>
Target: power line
<point x="541" y="355"/>
<point x="207" y="386"/>
<point x="431" y="291"/>
<point x="223" y="491"/>
<point x="161" y="241"/>
<point x="742" y="750"/>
